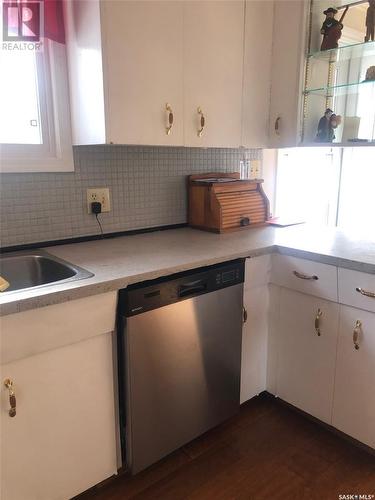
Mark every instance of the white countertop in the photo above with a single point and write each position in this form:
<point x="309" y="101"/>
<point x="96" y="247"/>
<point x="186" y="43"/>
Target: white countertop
<point x="118" y="262"/>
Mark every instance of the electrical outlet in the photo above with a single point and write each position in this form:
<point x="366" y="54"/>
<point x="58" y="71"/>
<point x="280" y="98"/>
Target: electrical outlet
<point x="101" y="195"/>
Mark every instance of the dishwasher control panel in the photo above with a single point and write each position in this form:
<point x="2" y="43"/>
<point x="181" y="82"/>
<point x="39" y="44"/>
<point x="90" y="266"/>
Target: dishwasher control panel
<point x="228" y="277"/>
<point x="150" y="295"/>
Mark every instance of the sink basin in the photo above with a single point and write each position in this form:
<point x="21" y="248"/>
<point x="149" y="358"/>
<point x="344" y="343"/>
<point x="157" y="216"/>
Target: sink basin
<point x="37" y="268"/>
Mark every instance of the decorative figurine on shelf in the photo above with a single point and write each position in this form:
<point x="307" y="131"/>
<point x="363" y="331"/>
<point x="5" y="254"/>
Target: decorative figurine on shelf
<point x="331" y="29"/>
<point x="327" y="124"/>
<point x="370" y="21"/>
<point x="370" y="74"/>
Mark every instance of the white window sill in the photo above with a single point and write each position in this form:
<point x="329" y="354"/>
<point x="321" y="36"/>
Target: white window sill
<point x="45" y="165"/>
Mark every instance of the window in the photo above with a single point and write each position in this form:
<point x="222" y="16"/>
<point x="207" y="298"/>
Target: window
<point x="327" y="186"/>
<point x="19" y="94"/>
<point x="35" y="133"/>
<point x="356" y="207"/>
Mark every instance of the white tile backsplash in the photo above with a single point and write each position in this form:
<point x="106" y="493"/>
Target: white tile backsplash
<point x="147" y="188"/>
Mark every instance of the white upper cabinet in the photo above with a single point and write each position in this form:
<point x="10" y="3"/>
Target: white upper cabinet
<point x="231" y="72"/>
<point x="128" y="60"/>
<point x="126" y="65"/>
<point x="288" y="56"/>
<point x="213" y="62"/>
<point x="257" y="73"/>
<point x="143" y="71"/>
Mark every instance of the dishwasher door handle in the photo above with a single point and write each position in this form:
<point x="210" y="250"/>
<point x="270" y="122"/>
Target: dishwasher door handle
<point x="192" y="288"/>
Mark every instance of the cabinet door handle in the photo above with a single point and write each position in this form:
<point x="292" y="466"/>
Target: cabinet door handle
<point x="305" y="276"/>
<point x="168" y="128"/>
<point x="317" y="322"/>
<point x="365" y="292"/>
<point x="357" y="333"/>
<point x="278" y="125"/>
<point x="202" y="122"/>
<point x="12" y="397"/>
<point x="244" y="316"/>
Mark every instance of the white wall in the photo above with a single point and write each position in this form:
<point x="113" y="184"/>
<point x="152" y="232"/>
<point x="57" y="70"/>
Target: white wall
<point x="269" y="175"/>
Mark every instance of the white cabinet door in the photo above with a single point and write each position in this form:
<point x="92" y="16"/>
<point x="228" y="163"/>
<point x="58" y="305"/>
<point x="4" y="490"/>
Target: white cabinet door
<point x="354" y="399"/>
<point x="62" y="439"/>
<point x="213" y="63"/>
<point x="289" y="40"/>
<point x="255" y="328"/>
<point x="306" y="361"/>
<point x="143" y="71"/>
<point x="257" y="73"/>
<point x="254" y="342"/>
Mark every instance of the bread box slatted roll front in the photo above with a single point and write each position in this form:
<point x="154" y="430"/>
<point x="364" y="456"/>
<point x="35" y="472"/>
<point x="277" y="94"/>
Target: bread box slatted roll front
<point x="223" y="202"/>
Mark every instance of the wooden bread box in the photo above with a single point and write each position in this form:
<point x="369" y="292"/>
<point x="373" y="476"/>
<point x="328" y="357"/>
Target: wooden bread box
<point x="223" y="202"/>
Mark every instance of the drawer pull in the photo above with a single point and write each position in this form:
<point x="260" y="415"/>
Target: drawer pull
<point x="12" y="397"/>
<point x="302" y="276"/>
<point x="202" y="122"/>
<point x="357" y="333"/>
<point x="365" y="292"/>
<point x="317" y="322"/>
<point x="168" y="129"/>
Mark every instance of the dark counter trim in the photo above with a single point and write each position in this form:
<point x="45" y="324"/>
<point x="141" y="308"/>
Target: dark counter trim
<point x="80" y="239"/>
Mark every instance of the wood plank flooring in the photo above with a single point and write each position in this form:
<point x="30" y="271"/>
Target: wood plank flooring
<point x="268" y="451"/>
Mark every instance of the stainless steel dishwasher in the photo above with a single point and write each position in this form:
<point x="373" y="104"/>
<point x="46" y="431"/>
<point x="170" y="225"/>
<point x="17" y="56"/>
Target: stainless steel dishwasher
<point x="179" y="347"/>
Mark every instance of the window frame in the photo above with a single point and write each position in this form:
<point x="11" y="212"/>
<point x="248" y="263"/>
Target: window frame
<point x="56" y="152"/>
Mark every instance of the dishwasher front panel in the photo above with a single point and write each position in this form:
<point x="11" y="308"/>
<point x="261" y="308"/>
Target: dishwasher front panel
<point x="183" y="372"/>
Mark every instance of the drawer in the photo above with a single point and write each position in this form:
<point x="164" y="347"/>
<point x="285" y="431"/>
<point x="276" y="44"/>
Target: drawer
<point x="31" y="332"/>
<point x="351" y="284"/>
<point x="305" y="276"/>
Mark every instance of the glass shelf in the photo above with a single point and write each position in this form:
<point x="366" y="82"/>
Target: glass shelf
<point x="338" y="90"/>
<point x="344" y="53"/>
<point x="336" y="78"/>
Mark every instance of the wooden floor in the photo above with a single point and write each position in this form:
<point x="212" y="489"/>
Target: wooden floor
<point x="268" y="451"/>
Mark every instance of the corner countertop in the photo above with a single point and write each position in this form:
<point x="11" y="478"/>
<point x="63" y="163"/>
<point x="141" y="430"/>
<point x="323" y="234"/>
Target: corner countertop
<point x="118" y="262"/>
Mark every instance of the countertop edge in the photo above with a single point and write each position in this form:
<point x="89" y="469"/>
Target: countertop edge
<point x="83" y="289"/>
<point x="86" y="290"/>
<point x="331" y="260"/>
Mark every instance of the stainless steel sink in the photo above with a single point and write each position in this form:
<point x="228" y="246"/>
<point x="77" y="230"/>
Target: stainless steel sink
<point x="36" y="269"/>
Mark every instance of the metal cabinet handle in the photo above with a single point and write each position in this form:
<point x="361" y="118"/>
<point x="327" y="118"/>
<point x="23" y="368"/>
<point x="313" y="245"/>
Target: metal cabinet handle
<point x="317" y="322"/>
<point x="202" y="121"/>
<point x="12" y="397"/>
<point x="365" y="292"/>
<point x="244" y="316"/>
<point x="305" y="276"/>
<point x="278" y="125"/>
<point x="168" y="128"/>
<point x="357" y="333"/>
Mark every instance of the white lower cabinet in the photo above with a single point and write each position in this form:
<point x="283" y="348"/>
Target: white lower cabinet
<point x="354" y="397"/>
<point x="306" y="360"/>
<point x="62" y="439"/>
<point x="254" y="343"/>
<point x="255" y="327"/>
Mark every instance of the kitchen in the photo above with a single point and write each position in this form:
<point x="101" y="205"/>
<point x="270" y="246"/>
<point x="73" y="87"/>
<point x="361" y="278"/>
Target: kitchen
<point x="261" y="383"/>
